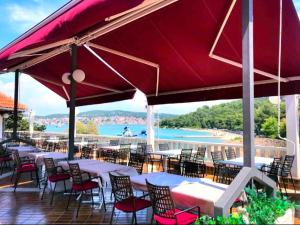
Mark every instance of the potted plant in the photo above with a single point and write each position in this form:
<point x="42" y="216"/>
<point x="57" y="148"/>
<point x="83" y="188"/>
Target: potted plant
<point x="260" y="209"/>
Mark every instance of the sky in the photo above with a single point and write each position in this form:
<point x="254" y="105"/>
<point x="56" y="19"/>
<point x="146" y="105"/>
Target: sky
<point x="16" y="17"/>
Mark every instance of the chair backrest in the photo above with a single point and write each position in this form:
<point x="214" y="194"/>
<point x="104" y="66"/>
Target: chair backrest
<point x="194" y="169"/>
<point x="45" y="145"/>
<point x="16" y="157"/>
<point x="49" y="166"/>
<point x="121" y="187"/>
<point x="124" y="151"/>
<point x="75" y="173"/>
<point x="114" y="142"/>
<point x="230" y="153"/>
<point x="163" y="146"/>
<point x="217" y="156"/>
<point x="227" y="174"/>
<point x="142" y="148"/>
<point x="185" y="154"/>
<point x="161" y="200"/>
<point x="286" y="166"/>
<point x="86" y="153"/>
<point x="200" y="155"/>
<point x="137" y="160"/>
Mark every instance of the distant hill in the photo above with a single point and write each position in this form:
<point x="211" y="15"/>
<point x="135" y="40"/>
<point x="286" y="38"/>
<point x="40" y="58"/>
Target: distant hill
<point x="108" y="113"/>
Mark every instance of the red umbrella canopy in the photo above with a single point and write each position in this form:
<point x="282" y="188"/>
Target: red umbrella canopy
<point x="173" y="51"/>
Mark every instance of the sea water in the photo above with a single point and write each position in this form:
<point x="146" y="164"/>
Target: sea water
<point x="160" y="133"/>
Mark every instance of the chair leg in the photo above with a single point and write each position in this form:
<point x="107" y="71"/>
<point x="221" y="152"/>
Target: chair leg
<point x="53" y="191"/>
<point x="12" y="176"/>
<point x="2" y="167"/>
<point x="46" y="183"/>
<point x="284" y="185"/>
<point x="103" y="198"/>
<point x="92" y="196"/>
<point x="79" y="203"/>
<point x="135" y="220"/>
<point x="16" y="181"/>
<point x="293" y="182"/>
<point x="112" y="215"/>
<point x="152" y="167"/>
<point x="69" y="198"/>
<point x="65" y="186"/>
<point x="37" y="178"/>
<point x="152" y="218"/>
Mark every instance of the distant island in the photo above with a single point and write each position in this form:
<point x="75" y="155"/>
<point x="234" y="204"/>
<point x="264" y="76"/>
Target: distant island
<point x="101" y="117"/>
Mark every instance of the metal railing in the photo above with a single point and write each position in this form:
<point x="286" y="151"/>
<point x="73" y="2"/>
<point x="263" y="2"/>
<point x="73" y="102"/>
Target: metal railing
<point x="262" y="151"/>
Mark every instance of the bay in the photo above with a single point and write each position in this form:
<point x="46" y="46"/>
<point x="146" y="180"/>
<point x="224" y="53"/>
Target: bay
<point x="160" y="133"/>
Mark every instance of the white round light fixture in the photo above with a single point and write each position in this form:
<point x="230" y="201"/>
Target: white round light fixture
<point x="78" y="75"/>
<point x="65" y="78"/>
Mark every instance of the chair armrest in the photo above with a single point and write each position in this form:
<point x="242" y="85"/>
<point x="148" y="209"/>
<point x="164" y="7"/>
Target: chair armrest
<point x="189" y="209"/>
<point x="61" y="169"/>
<point x="143" y="196"/>
<point x="89" y="175"/>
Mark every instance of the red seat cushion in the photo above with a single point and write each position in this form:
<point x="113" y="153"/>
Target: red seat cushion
<point x="86" y="185"/>
<point x="182" y="218"/>
<point x="127" y="204"/>
<point x="5" y="159"/>
<point x="59" y="177"/>
<point x="27" y="167"/>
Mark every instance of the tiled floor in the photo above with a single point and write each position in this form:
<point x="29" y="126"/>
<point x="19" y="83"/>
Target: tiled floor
<point x="25" y="207"/>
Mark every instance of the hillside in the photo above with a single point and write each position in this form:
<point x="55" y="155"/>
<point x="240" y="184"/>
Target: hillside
<point x="229" y="116"/>
<point x="108" y="113"/>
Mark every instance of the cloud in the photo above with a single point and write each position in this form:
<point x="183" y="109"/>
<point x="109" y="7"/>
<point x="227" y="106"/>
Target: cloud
<point x="37" y="97"/>
<point x="26" y="16"/>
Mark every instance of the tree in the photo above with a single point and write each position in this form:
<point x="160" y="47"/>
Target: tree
<point x="23" y="124"/>
<point x="89" y="128"/>
<point x="269" y="127"/>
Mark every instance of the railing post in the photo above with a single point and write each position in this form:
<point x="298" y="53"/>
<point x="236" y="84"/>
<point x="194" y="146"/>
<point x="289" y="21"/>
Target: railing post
<point x="248" y="83"/>
<point x="150" y="126"/>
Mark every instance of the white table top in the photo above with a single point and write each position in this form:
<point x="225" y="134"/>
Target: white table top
<point x="117" y="147"/>
<point x="39" y="156"/>
<point x="100" y="168"/>
<point x="186" y="192"/>
<point x="170" y="152"/>
<point x="259" y="161"/>
<point x="23" y="150"/>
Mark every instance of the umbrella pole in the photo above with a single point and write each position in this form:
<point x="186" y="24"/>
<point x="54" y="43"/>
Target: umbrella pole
<point x="72" y="102"/>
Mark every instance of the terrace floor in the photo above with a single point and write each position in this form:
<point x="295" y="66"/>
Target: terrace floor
<point x="25" y="207"/>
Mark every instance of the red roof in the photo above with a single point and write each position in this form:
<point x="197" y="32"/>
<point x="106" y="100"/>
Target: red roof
<point x="7" y="103"/>
<point x="176" y="38"/>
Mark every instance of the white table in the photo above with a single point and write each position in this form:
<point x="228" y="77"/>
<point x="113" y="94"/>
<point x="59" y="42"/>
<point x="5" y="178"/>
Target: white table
<point x="186" y="192"/>
<point x="39" y="156"/>
<point x="100" y="168"/>
<point x="168" y="153"/>
<point x="23" y="150"/>
<point x="117" y="147"/>
<point x="259" y="161"/>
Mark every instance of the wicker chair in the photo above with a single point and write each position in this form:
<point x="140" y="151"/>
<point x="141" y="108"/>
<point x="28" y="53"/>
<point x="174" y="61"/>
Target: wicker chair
<point x="200" y="155"/>
<point x="24" y="166"/>
<point x="5" y="159"/>
<point x="83" y="185"/>
<point x="137" y="160"/>
<point x="123" y="153"/>
<point x="54" y="174"/>
<point x="164" y="210"/>
<point x="194" y="169"/>
<point x="230" y="153"/>
<point x="286" y="171"/>
<point x="86" y="153"/>
<point x="175" y="164"/>
<point x="152" y="158"/>
<point x="124" y="198"/>
<point x="217" y="156"/>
